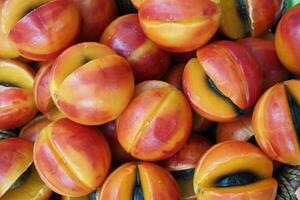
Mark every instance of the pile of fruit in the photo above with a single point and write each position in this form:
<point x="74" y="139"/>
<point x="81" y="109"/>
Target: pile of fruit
<point x="150" y="99"/>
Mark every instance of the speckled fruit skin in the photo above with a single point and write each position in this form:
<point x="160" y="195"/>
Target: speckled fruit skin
<point x="16" y="157"/>
<point x="45" y="31"/>
<point x="287" y="40"/>
<point x="17" y="105"/>
<point x="156" y="183"/>
<point x="90" y="84"/>
<point x="223" y="82"/>
<point x="125" y="36"/>
<point x="72" y="159"/>
<point x="232" y="157"/>
<point x="156" y="123"/>
<point x="180" y="26"/>
<point x="275" y="122"/>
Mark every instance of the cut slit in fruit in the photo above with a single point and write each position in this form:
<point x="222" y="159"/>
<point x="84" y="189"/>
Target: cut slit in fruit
<point x="294" y="110"/>
<point x="137" y="189"/>
<point x="237" y="179"/>
<point x="241" y="6"/>
<point x="238" y="110"/>
<point x="23" y="178"/>
<point x="8" y="85"/>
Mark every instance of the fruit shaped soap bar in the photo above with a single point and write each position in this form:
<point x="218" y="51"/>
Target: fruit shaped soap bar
<point x="276" y="120"/>
<point x="72" y="159"/>
<point x="223" y="82"/>
<point x="139" y="180"/>
<point x="264" y="53"/>
<point x="182" y="164"/>
<point x="96" y="15"/>
<point x="40" y="29"/>
<point x="41" y="92"/>
<point x="90" y="84"/>
<point x="17" y="105"/>
<point x="125" y="36"/>
<point x="156" y="123"/>
<point x="240" y="130"/>
<point x="287" y="40"/>
<point x="235" y="170"/>
<point x="242" y="18"/>
<point x="32" y="129"/>
<point x="180" y="26"/>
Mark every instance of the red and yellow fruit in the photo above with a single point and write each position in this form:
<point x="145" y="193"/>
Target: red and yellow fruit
<point x="276" y="122"/>
<point x="287" y="40"/>
<point x="17" y="105"/>
<point x="156" y="123"/>
<point x="141" y="180"/>
<point x="223" y="81"/>
<point x="72" y="159"/>
<point x="180" y="26"/>
<point x="90" y="84"/>
<point x="40" y="29"/>
<point x="234" y="170"/>
<point x="125" y="36"/>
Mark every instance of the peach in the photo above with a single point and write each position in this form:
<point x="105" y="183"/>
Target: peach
<point x="125" y="36"/>
<point x="182" y="164"/>
<point x="287" y="40"/>
<point x="234" y="170"/>
<point x="276" y="122"/>
<point x="240" y="130"/>
<point x="242" y="18"/>
<point x="180" y="26"/>
<point x="90" y="84"/>
<point x="16" y="157"/>
<point x="31" y="130"/>
<point x="156" y="123"/>
<point x="72" y="159"/>
<point x="264" y="53"/>
<point x="76" y="198"/>
<point x="33" y="188"/>
<point x="7" y="50"/>
<point x="223" y="82"/>
<point x="41" y="92"/>
<point x="96" y="15"/>
<point x="119" y="155"/>
<point x="40" y="29"/>
<point x="16" y="94"/>
<point x="140" y="180"/>
<point x="137" y="3"/>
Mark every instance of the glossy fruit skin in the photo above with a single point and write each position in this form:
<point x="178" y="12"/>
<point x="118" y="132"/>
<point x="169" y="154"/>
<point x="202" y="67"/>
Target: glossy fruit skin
<point x="31" y="130"/>
<point x="156" y="123"/>
<point x="46" y="31"/>
<point x="17" y="105"/>
<point x="156" y="182"/>
<point x="223" y="81"/>
<point x="242" y="18"/>
<point x="96" y="15"/>
<point x="264" y="53"/>
<point x="16" y="157"/>
<point x="287" y="40"/>
<point x="32" y="189"/>
<point x="72" y="159"/>
<point x="125" y="36"/>
<point x="41" y="92"/>
<point x="196" y="22"/>
<point x="184" y="161"/>
<point x="103" y="82"/>
<point x="228" y="158"/>
<point x="273" y="122"/>
<point x="240" y="130"/>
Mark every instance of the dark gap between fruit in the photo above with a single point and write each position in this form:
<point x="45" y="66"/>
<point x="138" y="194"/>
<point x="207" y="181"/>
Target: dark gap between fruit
<point x="22" y="179"/>
<point x="183" y="174"/>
